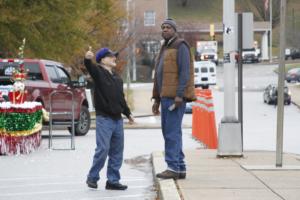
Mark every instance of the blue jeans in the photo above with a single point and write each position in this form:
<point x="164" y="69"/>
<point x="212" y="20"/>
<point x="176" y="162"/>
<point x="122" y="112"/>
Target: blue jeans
<point x="110" y="142"/>
<point x="171" y="129"/>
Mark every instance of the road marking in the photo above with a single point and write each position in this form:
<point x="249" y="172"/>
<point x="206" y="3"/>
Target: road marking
<point x="57" y="191"/>
<point x="56" y="183"/>
<point x="123" y="196"/>
<point x="41" y="184"/>
<point x="63" y="177"/>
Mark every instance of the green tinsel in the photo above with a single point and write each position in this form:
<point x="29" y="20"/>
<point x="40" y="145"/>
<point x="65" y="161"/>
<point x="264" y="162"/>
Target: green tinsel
<point x="19" y="121"/>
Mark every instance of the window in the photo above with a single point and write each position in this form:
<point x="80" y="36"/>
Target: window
<point x="63" y="76"/>
<point x="52" y="73"/>
<point x="204" y="70"/>
<point x="34" y="73"/>
<point x="149" y="18"/>
<point x="211" y="69"/>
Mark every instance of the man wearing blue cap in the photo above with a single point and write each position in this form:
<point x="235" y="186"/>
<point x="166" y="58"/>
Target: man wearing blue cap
<point x="109" y="105"/>
<point x="173" y="87"/>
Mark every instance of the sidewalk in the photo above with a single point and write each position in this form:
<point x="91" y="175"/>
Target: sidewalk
<point x="254" y="176"/>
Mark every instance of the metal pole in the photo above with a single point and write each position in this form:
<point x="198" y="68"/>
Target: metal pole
<point x="240" y="72"/>
<point x="280" y="107"/>
<point x="132" y="28"/>
<point x="293" y="15"/>
<point x="167" y="11"/>
<point x="229" y="38"/>
<point x="229" y="137"/>
<point x="271" y="34"/>
<point x="128" y="54"/>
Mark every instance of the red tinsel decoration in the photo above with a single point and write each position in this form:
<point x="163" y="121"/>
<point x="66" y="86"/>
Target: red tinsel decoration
<point x="19" y="144"/>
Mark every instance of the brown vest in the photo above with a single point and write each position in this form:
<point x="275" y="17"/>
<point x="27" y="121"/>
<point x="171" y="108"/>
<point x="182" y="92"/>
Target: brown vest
<point x="170" y="73"/>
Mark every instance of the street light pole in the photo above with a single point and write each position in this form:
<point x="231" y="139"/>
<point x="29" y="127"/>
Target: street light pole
<point x="229" y="137"/>
<point x="128" y="53"/>
<point x="133" y="47"/>
<point x="280" y="102"/>
<point x="271" y="25"/>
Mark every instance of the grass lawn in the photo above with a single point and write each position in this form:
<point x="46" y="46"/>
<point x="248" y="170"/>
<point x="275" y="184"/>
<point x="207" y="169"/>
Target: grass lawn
<point x="289" y="66"/>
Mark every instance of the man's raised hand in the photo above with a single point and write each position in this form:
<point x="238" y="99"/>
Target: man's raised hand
<point x="89" y="54"/>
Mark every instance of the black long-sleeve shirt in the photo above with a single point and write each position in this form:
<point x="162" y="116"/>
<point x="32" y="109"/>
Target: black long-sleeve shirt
<point x="108" y="94"/>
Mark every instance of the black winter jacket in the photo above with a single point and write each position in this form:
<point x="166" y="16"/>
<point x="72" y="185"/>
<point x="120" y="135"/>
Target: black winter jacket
<point x="108" y="94"/>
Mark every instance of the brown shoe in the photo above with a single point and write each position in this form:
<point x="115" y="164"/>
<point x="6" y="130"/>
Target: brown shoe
<point x="168" y="174"/>
<point x="182" y="175"/>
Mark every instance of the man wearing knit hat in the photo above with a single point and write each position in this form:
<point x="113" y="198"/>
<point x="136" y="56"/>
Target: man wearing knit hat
<point x="109" y="104"/>
<point x="173" y="87"/>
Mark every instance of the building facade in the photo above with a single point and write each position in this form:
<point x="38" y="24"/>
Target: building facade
<point x="144" y="26"/>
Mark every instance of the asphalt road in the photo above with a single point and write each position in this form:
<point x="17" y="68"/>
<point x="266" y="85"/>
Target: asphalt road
<point x="260" y="119"/>
<point x="61" y="174"/>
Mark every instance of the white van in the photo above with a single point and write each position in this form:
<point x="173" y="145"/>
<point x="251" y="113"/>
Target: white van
<point x="205" y="74"/>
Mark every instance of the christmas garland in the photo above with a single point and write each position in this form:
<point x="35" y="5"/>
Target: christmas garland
<point x="19" y="121"/>
<point x="21" y="117"/>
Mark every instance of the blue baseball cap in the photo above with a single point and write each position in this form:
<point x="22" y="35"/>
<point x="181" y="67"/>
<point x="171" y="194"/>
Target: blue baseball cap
<point x="104" y="52"/>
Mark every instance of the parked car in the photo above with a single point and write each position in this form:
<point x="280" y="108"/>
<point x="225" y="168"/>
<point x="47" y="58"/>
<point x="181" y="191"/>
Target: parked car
<point x="293" y="75"/>
<point x="44" y="77"/>
<point x="270" y="95"/>
<point x="292" y="53"/>
<point x="250" y="55"/>
<point x="295" y="54"/>
<point x="205" y="74"/>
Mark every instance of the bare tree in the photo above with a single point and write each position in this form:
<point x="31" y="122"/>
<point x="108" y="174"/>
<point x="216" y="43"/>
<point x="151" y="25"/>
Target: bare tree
<point x="262" y="13"/>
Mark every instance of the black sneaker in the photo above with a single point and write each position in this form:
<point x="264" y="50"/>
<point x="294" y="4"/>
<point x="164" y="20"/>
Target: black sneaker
<point x="168" y="174"/>
<point x="92" y="184"/>
<point x="115" y="186"/>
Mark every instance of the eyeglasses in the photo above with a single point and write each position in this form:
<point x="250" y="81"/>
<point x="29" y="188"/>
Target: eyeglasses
<point x="166" y="26"/>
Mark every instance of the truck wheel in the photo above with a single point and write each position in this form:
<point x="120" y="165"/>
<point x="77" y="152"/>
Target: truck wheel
<point x="84" y="122"/>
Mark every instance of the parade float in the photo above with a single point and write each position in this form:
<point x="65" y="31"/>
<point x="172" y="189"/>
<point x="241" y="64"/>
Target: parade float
<point x="20" y="120"/>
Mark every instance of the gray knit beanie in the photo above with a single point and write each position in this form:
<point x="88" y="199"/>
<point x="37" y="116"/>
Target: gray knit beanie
<point x="171" y="22"/>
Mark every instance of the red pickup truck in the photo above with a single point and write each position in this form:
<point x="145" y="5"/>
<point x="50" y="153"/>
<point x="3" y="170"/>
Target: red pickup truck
<point x="44" y="77"/>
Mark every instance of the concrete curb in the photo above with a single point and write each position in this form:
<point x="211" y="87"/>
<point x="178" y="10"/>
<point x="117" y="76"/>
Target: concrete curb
<point x="167" y="188"/>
